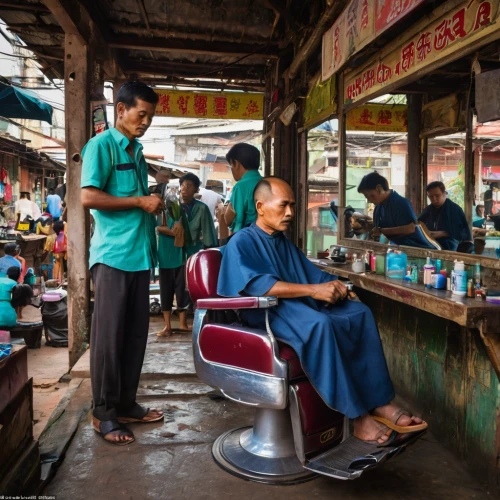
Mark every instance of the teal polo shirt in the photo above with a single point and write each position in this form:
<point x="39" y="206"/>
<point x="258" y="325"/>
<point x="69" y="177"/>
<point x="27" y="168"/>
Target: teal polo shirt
<point x="123" y="239"/>
<point x="242" y="200"/>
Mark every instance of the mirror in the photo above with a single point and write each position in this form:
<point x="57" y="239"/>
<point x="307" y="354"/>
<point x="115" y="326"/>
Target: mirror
<point x="382" y="213"/>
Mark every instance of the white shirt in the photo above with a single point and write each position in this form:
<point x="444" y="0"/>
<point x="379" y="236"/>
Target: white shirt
<point x="25" y="207"/>
<point x="211" y="199"/>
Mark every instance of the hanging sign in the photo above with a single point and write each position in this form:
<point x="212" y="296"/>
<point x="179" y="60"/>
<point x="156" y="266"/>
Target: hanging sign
<point x="320" y="102"/>
<point x="389" y="12"/>
<point x="448" y="32"/>
<point x="378" y="118"/>
<point x="223" y="105"/>
<point x="358" y="24"/>
<point x="352" y="30"/>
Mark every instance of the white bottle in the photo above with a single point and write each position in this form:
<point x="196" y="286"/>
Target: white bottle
<point x="459" y="279"/>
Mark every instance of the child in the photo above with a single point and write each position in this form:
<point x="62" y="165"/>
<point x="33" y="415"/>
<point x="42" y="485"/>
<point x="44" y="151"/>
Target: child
<point x="60" y="250"/>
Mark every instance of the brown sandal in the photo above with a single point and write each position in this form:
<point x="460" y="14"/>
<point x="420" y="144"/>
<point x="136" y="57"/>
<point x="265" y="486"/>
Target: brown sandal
<point x="401" y="429"/>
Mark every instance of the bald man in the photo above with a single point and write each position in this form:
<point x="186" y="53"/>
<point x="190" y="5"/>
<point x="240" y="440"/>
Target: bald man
<point x="336" y="339"/>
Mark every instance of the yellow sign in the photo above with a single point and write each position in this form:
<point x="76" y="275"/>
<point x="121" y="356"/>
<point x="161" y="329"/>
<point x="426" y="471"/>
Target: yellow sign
<point x="378" y="118"/>
<point x="449" y="31"/>
<point x="320" y="102"/>
<point x="222" y="105"/>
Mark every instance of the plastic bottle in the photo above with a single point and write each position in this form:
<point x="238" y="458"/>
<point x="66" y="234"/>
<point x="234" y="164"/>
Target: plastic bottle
<point x="477" y="273"/>
<point x="395" y="265"/>
<point x="5" y="344"/>
<point x="414" y="274"/>
<point x="428" y="270"/>
<point x="459" y="279"/>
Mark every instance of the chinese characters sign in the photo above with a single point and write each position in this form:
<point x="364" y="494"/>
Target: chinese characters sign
<point x="391" y="11"/>
<point x="448" y="33"/>
<point x="378" y="118"/>
<point x="229" y="105"/>
<point x="353" y="29"/>
<point x="358" y="24"/>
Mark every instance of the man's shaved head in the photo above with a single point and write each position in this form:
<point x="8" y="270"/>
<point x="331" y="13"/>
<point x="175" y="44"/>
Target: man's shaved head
<point x="275" y="204"/>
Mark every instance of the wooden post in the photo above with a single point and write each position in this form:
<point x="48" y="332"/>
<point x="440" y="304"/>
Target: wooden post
<point x="414" y="187"/>
<point x="469" y="177"/>
<point x="341" y="147"/>
<point x="77" y="77"/>
<point x="302" y="193"/>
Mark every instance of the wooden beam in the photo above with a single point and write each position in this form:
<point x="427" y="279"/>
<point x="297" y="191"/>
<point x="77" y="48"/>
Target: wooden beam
<point x="192" y="72"/>
<point x="144" y="14"/>
<point x="168" y="34"/>
<point x="77" y="78"/>
<point x="342" y="153"/>
<point x="313" y="40"/>
<point x="51" y="29"/>
<point x="72" y="18"/>
<point x="190" y="47"/>
<point x="414" y="187"/>
<point x="31" y="7"/>
<point x="203" y="84"/>
<point x="469" y="177"/>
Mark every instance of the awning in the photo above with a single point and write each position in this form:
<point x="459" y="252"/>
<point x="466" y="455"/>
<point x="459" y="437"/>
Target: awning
<point x="17" y="103"/>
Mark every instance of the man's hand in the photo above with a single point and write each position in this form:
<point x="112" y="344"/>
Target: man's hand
<point x="330" y="292"/>
<point x="376" y="232"/>
<point x="151" y="204"/>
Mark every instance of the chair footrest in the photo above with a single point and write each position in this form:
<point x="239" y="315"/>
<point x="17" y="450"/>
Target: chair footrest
<point x="349" y="459"/>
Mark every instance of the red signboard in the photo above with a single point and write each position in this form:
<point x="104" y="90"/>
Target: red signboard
<point x="389" y="12"/>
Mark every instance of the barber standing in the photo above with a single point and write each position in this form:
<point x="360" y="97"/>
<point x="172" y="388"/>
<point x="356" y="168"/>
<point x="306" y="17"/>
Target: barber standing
<point x="123" y="250"/>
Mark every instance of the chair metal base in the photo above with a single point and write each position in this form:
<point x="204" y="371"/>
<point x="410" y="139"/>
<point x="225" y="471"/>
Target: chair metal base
<point x="232" y="457"/>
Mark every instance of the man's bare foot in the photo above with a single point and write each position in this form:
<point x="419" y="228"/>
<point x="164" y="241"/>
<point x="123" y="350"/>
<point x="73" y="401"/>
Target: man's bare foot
<point x="166" y="332"/>
<point x="367" y="429"/>
<point x="393" y="413"/>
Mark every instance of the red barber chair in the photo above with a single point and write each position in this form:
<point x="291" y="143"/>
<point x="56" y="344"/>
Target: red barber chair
<point x="294" y="435"/>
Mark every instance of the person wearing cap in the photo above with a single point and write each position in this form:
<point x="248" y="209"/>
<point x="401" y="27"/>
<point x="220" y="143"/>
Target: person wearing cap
<point x="446" y="220"/>
<point x="11" y="250"/>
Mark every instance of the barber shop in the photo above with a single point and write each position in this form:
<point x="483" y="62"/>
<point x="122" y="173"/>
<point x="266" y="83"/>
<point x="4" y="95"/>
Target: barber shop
<point x="283" y="248"/>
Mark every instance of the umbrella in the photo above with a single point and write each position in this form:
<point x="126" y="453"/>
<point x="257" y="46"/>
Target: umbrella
<point x="17" y="103"/>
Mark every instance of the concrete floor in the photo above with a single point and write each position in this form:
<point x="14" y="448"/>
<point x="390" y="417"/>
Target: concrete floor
<point x="46" y="366"/>
<point x="172" y="459"/>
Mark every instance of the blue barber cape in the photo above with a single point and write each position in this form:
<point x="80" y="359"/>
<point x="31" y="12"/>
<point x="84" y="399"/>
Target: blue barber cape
<point x="339" y="347"/>
<point x="450" y="218"/>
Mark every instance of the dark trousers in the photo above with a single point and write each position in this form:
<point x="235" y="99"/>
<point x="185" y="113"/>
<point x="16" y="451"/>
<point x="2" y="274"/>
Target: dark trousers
<point x="118" y="339"/>
<point x="173" y="281"/>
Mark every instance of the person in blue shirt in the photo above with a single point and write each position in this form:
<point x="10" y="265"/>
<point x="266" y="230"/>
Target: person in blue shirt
<point x="445" y="219"/>
<point x="11" y="250"/>
<point x="54" y="205"/>
<point x="122" y="253"/>
<point x="393" y="215"/>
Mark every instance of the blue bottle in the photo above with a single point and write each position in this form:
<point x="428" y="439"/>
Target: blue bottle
<point x="395" y="265"/>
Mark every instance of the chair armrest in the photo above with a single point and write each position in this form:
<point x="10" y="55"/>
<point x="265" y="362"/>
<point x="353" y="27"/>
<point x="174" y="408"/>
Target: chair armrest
<point x="237" y="303"/>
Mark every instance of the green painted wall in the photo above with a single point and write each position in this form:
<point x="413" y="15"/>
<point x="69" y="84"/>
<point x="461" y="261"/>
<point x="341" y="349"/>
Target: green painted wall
<point x="444" y="371"/>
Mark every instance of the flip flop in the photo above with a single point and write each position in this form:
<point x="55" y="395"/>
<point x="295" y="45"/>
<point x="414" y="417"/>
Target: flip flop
<point x="133" y="417"/>
<point x="105" y="427"/>
<point x="182" y="330"/>
<point x="401" y="429"/>
<point x="165" y="333"/>
<point x="395" y="438"/>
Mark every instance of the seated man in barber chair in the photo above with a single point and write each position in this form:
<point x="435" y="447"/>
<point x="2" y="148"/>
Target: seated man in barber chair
<point x="336" y="339"/>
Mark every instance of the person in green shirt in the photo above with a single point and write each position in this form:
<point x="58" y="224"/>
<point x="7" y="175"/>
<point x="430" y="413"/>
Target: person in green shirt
<point x="197" y="225"/>
<point x="244" y="160"/>
<point x="122" y="251"/>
